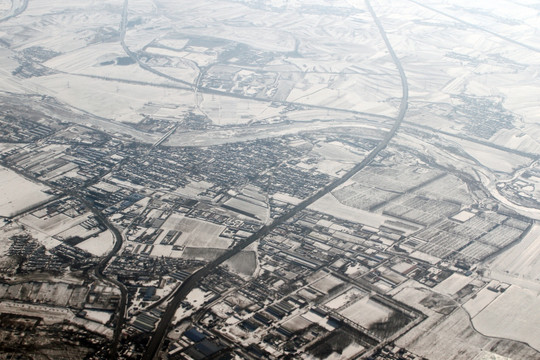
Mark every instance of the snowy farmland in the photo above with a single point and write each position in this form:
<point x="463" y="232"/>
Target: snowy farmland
<point x="196" y="233"/>
<point x="366" y="312"/>
<point x="520" y="262"/>
<point x="512" y="315"/>
<point x="191" y="126"/>
<point x="18" y="194"/>
<point x="98" y="245"/>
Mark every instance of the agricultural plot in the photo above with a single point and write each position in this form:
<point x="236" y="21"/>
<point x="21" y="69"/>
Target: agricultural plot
<point x="476" y="251"/>
<point x="494" y="159"/>
<point x="463" y="216"/>
<point x="346" y="298"/>
<point x="297" y="323"/>
<point x="523" y="259"/>
<point x="389" y="278"/>
<point x="501" y="236"/>
<point x="421" y="210"/>
<point x="244" y="263"/>
<point x="62" y="226"/>
<point x="228" y="111"/>
<point x="98" y="245"/>
<point x="482" y="299"/>
<point x="414" y="196"/>
<point x="453" y="338"/>
<point x="455" y="190"/>
<point x="336" y="157"/>
<point x="251" y="202"/>
<point x="327" y="283"/>
<point x="120" y="101"/>
<point x="18" y="194"/>
<point x="362" y="197"/>
<point x="338" y="151"/>
<point x="94" y="68"/>
<point x="386" y="177"/>
<point x="377" y="185"/>
<point x="55" y="293"/>
<point x="452" y="284"/>
<point x="487" y="355"/>
<point x="328" y="204"/>
<point x="202" y="254"/>
<point x="351" y="91"/>
<point x="512" y="315"/>
<point x="39" y="159"/>
<point x="241" y="60"/>
<point x="474" y="239"/>
<point x="428" y="48"/>
<point x="196" y="233"/>
<point x="366" y="312"/>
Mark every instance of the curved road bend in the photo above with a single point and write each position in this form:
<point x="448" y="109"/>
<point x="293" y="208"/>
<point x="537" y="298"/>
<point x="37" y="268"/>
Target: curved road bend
<point x="206" y="90"/>
<point x="474" y="26"/>
<point x="190" y="283"/>
<point x="98" y="272"/>
<point x="100" y="266"/>
<point x="15" y="11"/>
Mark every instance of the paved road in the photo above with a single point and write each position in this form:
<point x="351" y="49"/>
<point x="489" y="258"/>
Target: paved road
<point x="474" y="26"/>
<point x="15" y="10"/>
<point x="98" y="271"/>
<point x="163" y="327"/>
<point x="206" y="90"/>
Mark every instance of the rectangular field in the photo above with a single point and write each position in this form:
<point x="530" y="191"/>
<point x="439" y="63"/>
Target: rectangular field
<point x="366" y="312"/>
<point x="18" y="194"/>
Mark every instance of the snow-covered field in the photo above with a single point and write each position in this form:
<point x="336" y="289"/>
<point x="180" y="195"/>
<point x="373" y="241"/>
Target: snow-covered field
<point x="482" y="299"/>
<point x="18" y="194"/>
<point x="226" y="110"/>
<point x="346" y="298"/>
<point x="54" y="225"/>
<point x="512" y="315"/>
<point x="348" y="353"/>
<point x="486" y="355"/>
<point x="326" y="284"/>
<point x="99" y="316"/>
<point x="98" y="245"/>
<point x="453" y="284"/>
<point x="328" y="204"/>
<point x="296" y="323"/>
<point x="522" y="261"/>
<point x="196" y="233"/>
<point x="366" y="312"/>
<point x="114" y="100"/>
<point x="494" y="159"/>
<point x="441" y="64"/>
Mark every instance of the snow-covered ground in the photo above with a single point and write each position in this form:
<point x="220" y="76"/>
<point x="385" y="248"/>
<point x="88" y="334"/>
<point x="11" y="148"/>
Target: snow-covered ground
<point x="453" y="284"/>
<point x="328" y="204"/>
<point x="366" y="312"/>
<point x="482" y="299"/>
<point x="98" y="245"/>
<point x="18" y="194"/>
<point x="512" y="315"/>
<point x="520" y="262"/>
<point x="99" y="316"/>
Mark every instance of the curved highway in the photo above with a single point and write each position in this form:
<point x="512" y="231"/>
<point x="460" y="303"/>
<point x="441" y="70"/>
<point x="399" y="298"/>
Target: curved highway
<point x="98" y="271"/>
<point x="15" y="10"/>
<point x="206" y="90"/>
<point x="190" y="283"/>
<point x="120" y="314"/>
